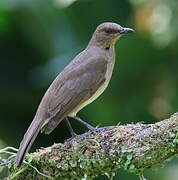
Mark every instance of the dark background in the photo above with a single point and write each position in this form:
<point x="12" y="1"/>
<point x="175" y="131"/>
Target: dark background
<point x="38" y="38"/>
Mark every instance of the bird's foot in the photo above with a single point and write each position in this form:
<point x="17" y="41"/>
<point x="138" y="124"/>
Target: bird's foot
<point x="74" y="135"/>
<point x="80" y="135"/>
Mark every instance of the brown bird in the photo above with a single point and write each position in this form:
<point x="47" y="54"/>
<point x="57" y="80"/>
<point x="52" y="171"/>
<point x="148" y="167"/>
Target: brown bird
<point x="80" y="83"/>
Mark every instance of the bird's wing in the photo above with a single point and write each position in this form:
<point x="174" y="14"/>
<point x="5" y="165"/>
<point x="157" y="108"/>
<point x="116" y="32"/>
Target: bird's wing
<point x="76" y="86"/>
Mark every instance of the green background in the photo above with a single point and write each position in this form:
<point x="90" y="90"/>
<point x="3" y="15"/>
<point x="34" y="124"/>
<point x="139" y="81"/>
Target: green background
<point x="38" y="38"/>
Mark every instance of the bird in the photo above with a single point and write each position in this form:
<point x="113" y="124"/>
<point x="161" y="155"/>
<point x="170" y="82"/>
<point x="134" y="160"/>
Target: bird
<point x="77" y="85"/>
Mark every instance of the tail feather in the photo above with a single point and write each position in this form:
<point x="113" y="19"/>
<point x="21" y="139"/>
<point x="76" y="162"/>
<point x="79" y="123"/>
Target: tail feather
<point x="27" y="141"/>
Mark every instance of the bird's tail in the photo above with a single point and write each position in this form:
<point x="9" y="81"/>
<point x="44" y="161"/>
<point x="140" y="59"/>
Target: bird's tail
<point x="27" y="141"/>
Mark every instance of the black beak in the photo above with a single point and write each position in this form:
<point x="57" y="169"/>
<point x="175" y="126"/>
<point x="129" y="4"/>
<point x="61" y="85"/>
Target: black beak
<point x="126" y="31"/>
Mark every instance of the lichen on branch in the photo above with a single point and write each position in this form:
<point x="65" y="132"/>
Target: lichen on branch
<point x="133" y="147"/>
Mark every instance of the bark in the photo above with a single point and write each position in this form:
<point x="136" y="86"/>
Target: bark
<point x="133" y="147"/>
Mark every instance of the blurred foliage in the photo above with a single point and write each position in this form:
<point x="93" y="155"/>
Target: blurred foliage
<point x="38" y="38"/>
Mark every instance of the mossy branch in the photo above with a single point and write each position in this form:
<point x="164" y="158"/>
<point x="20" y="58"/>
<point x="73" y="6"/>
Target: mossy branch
<point x="133" y="147"/>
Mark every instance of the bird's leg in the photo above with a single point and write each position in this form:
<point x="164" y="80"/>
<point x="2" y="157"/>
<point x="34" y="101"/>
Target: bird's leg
<point x="73" y="134"/>
<point x="85" y="124"/>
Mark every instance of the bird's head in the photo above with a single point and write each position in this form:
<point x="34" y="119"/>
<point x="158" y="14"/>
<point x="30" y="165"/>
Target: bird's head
<point x="106" y="34"/>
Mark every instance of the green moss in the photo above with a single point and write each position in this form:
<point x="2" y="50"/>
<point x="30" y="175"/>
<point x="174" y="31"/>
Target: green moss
<point x="175" y="141"/>
<point x="132" y="168"/>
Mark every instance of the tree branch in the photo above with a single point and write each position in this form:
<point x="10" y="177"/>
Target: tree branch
<point x="133" y="147"/>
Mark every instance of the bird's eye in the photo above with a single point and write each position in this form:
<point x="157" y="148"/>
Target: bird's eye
<point x="108" y="31"/>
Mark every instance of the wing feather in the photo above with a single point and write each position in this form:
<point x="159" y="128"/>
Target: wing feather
<point x="77" y="86"/>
